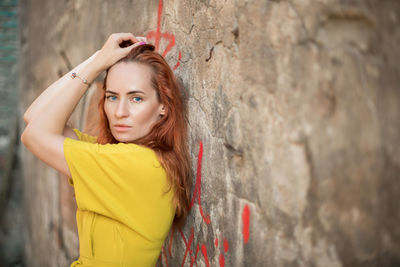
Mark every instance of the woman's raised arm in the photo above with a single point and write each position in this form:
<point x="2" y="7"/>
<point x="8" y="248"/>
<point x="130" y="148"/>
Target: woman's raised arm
<point x="43" y="135"/>
<point x="40" y="103"/>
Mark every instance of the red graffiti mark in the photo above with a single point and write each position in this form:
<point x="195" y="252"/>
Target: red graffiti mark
<point x="226" y="245"/>
<point x="157" y="35"/>
<point x="165" y="255"/>
<point x="179" y="61"/>
<point x="246" y="222"/>
<point x="221" y="260"/>
<point x="206" y="219"/>
<point x="188" y="244"/>
<point x="195" y="255"/>
<point x="170" y="242"/>
<point x="158" y="31"/>
<point x="204" y="251"/>
<point x="221" y="256"/>
<point x="197" y="187"/>
<point x="159" y="260"/>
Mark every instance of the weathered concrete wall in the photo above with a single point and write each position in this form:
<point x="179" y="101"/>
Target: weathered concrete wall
<point x="11" y="200"/>
<point x="294" y="111"/>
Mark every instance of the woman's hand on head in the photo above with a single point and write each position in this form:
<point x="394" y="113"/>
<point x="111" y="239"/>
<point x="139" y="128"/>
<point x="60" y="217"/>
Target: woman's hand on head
<point x="111" y="51"/>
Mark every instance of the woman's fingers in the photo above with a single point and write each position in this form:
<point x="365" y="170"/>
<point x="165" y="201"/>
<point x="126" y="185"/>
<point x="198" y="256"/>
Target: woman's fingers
<point x="112" y="51"/>
<point x="141" y="39"/>
<point x="129" y="48"/>
<point x="124" y="36"/>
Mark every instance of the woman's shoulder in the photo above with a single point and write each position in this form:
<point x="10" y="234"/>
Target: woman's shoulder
<point x="87" y="144"/>
<point x="93" y="139"/>
<point x="90" y="143"/>
<point x="121" y="156"/>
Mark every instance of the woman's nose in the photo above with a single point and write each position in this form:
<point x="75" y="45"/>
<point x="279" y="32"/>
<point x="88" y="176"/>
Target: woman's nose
<point x="122" y="109"/>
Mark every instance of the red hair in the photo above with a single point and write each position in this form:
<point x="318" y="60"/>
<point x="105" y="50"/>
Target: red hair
<point x="168" y="136"/>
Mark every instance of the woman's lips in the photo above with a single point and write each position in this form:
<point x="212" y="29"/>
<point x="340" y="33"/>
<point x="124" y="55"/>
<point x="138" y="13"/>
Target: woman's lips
<point x="121" y="128"/>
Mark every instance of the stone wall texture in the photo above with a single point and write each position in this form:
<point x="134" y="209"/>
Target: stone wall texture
<point x="294" y="111"/>
<point x="11" y="204"/>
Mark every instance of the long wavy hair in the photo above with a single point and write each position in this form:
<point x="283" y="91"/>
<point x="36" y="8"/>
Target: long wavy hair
<point x="168" y="136"/>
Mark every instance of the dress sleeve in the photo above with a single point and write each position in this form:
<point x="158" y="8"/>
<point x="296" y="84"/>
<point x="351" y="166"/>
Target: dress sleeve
<point x="85" y="137"/>
<point x="82" y="137"/>
<point x="122" y="181"/>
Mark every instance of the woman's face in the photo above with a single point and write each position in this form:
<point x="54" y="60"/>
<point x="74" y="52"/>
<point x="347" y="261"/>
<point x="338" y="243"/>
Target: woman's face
<point x="131" y="104"/>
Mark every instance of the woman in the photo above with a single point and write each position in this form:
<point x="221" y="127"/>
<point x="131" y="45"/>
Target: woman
<point x="132" y="182"/>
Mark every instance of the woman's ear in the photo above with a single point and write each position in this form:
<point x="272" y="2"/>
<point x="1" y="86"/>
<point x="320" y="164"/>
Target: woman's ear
<point x="162" y="110"/>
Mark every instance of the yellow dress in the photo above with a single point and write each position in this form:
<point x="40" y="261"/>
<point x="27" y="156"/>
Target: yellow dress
<point x="122" y="217"/>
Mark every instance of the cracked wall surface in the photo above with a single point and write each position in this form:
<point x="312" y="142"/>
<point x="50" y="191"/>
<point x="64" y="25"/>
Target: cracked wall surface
<point x="11" y="203"/>
<point x="294" y="110"/>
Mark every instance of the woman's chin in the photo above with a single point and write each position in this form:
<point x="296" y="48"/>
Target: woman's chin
<point x="123" y="137"/>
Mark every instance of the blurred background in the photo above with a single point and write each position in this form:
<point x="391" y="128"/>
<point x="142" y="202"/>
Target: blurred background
<point x="294" y="111"/>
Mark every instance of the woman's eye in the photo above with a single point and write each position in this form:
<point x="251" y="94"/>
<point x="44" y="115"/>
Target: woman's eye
<point x="137" y="99"/>
<point x="109" y="97"/>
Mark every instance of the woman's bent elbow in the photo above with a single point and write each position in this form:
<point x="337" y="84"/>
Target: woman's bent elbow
<point x="25" y="137"/>
<point x="26" y="120"/>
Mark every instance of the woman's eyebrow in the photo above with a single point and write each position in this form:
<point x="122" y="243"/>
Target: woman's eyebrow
<point x="129" y="93"/>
